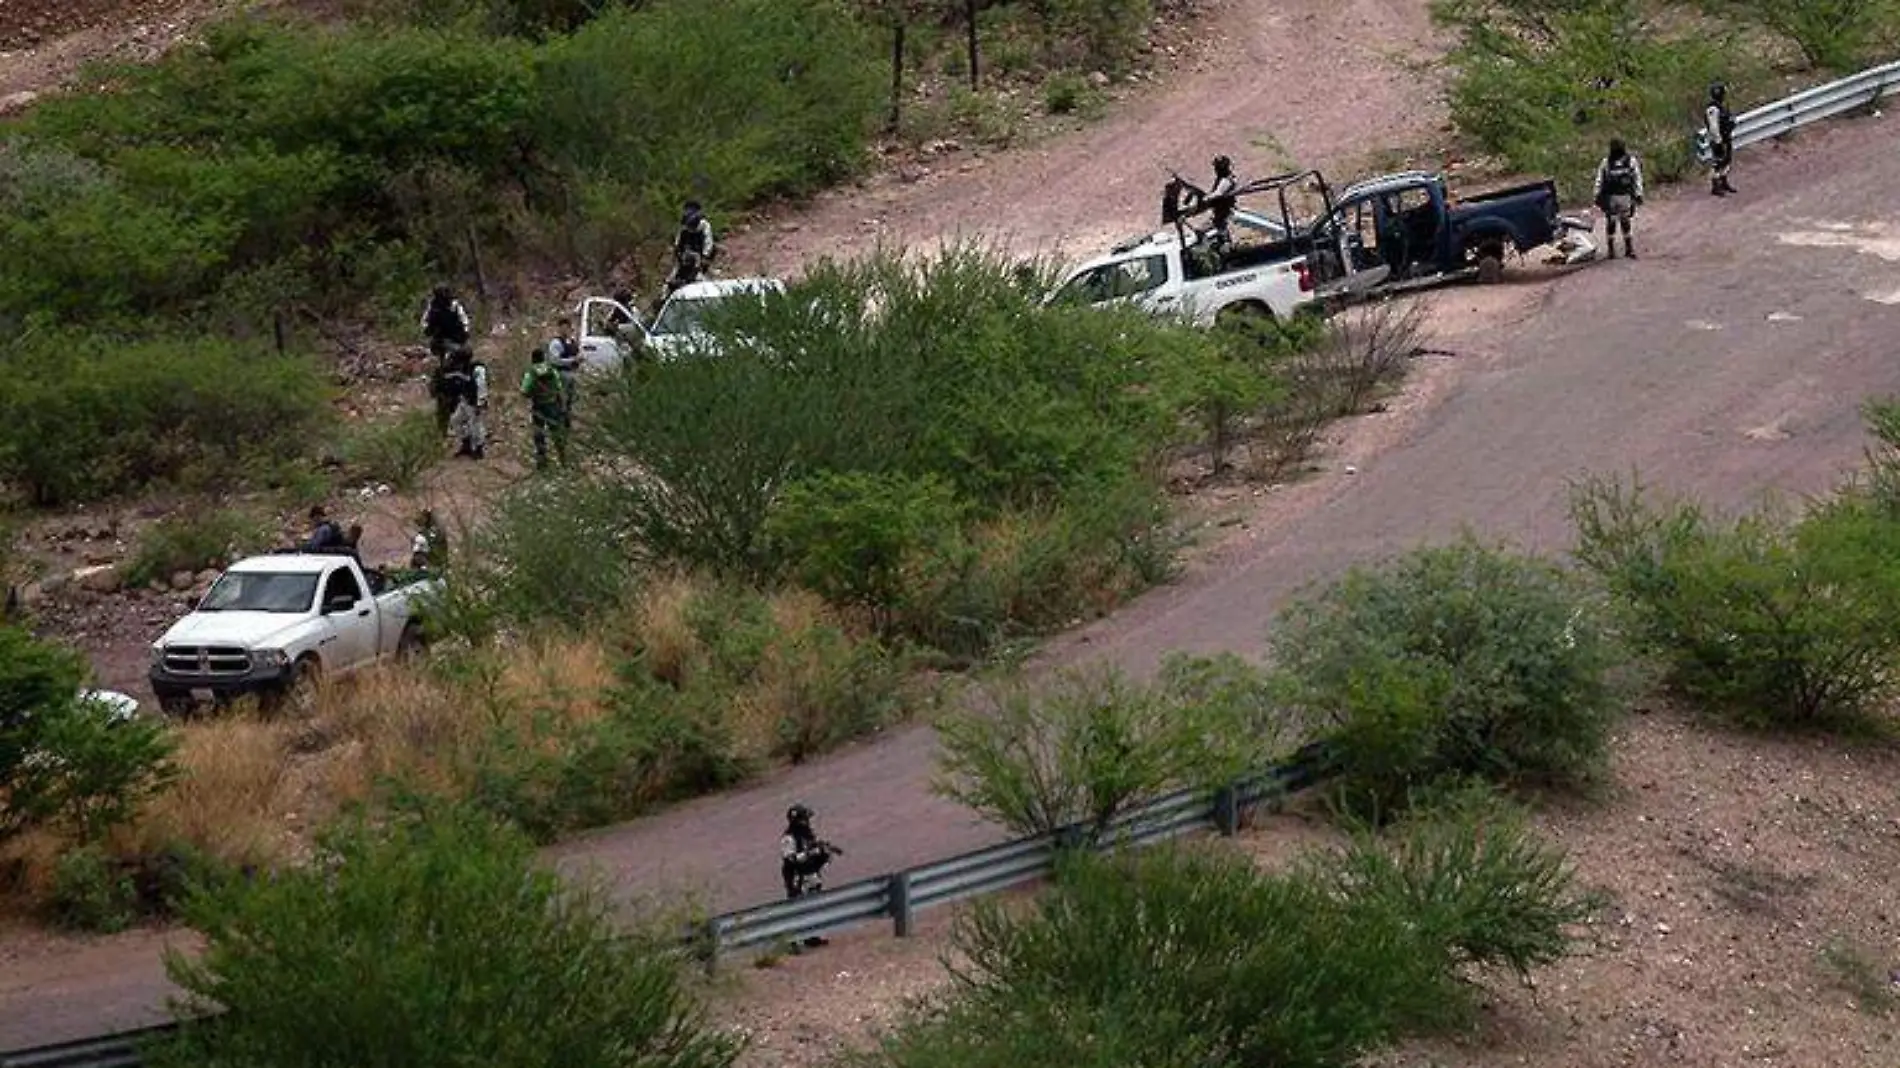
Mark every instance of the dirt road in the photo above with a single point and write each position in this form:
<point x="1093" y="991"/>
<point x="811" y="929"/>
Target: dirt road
<point x="1729" y="361"/>
<point x="1280" y="83"/>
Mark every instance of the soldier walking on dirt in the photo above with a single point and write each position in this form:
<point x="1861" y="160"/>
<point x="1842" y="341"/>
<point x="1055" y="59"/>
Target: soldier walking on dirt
<point x="1619" y="192"/>
<point x="466" y="379"/>
<point x="1720" y="125"/>
<point x="445" y="325"/>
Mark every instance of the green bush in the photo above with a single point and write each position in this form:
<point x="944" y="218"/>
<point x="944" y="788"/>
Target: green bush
<point x="191" y="542"/>
<point x="1450" y="662"/>
<point x="82" y="416"/>
<point x="1768" y="620"/>
<point x="1066" y="94"/>
<point x="432" y="941"/>
<point x="1467" y="871"/>
<point x="729" y="100"/>
<point x="399" y="450"/>
<point x="1545" y="84"/>
<point x="1193" y="959"/>
<point x="553" y="552"/>
<point x="652" y="747"/>
<point x="740" y="690"/>
<point x="88" y="771"/>
<point x="1090" y="747"/>
<point x="293" y="168"/>
<point x="65" y="764"/>
<point x="1046" y="424"/>
<point x="1837" y="35"/>
<point x="92" y="892"/>
<point x="850" y="537"/>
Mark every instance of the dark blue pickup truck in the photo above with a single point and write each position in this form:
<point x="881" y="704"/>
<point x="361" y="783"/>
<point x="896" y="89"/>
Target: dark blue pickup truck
<point x="1404" y="231"/>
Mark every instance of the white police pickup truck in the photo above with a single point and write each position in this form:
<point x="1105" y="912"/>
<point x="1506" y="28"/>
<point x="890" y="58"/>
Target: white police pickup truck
<point x="1173" y="272"/>
<point x="274" y="626"/>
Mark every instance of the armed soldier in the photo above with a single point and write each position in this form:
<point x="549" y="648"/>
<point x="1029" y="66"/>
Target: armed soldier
<point x="802" y="858"/>
<point x="1619" y="192"/>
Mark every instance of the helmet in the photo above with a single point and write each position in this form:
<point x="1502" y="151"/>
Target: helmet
<point x="798" y="814"/>
<point x="444" y="293"/>
<point x="1717" y="91"/>
<point x="1222" y="164"/>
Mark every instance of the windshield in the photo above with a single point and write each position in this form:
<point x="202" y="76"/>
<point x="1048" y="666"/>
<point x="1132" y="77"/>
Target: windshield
<point x="683" y="316"/>
<point x="261" y="592"/>
<point x="1113" y="281"/>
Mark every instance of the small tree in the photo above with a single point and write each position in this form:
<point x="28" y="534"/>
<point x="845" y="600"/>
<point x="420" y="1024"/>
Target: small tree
<point x="433" y="942"/>
<point x="1087" y="750"/>
<point x="66" y="763"/>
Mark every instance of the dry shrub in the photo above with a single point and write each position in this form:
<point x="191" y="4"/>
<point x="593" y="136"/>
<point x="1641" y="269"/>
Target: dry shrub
<point x="232" y="798"/>
<point x="661" y="630"/>
<point x="428" y="730"/>
<point x="1364" y="352"/>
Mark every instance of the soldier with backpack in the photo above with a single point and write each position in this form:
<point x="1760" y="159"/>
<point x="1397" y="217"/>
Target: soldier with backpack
<point x="1719" y="128"/>
<point x="547" y="407"/>
<point x="1619" y="192"/>
<point x="445" y="324"/>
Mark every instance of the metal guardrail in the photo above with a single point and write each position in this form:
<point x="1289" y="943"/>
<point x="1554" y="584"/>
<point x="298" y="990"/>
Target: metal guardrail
<point x="123" y="1050"/>
<point x="899" y="896"/>
<point x="1812" y="105"/>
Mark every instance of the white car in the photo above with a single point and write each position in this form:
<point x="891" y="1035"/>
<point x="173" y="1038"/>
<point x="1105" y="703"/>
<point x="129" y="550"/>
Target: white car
<point x="612" y="333"/>
<point x="1259" y="275"/>
<point x="273" y="626"/>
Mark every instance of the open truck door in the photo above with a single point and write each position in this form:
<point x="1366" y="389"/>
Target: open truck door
<point x="611" y="334"/>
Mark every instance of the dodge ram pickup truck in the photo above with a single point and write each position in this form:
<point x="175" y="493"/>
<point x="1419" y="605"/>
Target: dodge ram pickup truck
<point x="274" y="626"/>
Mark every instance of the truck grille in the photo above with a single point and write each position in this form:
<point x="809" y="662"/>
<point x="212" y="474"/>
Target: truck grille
<point x="206" y="660"/>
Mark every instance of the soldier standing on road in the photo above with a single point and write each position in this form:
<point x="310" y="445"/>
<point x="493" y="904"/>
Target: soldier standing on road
<point x="1619" y="192"/>
<point x="1720" y="123"/>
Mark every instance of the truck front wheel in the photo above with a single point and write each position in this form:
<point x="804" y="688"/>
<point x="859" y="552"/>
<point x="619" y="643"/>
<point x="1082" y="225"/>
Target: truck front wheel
<point x="299" y="693"/>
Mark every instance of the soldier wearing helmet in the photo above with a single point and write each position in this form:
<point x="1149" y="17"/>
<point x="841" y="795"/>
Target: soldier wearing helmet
<point x="1719" y="124"/>
<point x="802" y="858"/>
<point x="802" y="854"/>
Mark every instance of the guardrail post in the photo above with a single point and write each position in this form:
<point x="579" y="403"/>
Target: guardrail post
<point x="900" y="904"/>
<point x="709" y="947"/>
<point x="1227" y="810"/>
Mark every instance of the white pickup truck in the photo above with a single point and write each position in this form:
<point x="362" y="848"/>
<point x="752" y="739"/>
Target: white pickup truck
<point x="1171" y="272"/>
<point x="274" y="626"/>
<point x="612" y="333"/>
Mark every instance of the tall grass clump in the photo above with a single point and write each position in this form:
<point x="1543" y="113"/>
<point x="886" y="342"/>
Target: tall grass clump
<point x="431" y="940"/>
